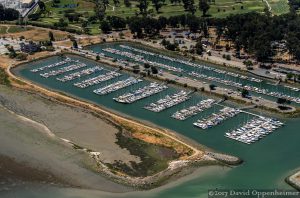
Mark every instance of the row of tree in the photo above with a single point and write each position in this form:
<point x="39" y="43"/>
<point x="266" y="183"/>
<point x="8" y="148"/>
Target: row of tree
<point x="257" y="33"/>
<point x="8" y="14"/>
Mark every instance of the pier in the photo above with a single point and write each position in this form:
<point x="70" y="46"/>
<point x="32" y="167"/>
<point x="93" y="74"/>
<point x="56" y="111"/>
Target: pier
<point x="63" y="70"/>
<point x="141" y="93"/>
<point x="254" y="130"/>
<point x="79" y="74"/>
<point x="193" y="110"/>
<point x="117" y="85"/>
<point x="169" y="101"/>
<point x="96" y="80"/>
<point x="216" y="119"/>
<point x="67" y="60"/>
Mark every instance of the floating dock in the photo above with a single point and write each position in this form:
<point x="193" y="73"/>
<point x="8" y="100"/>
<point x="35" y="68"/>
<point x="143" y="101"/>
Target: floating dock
<point x="193" y="110"/>
<point x="63" y="70"/>
<point x="98" y="79"/>
<point x="254" y="130"/>
<point x="141" y="93"/>
<point x="169" y="101"/>
<point x="117" y="85"/>
<point x="67" y="60"/>
<point x="216" y="119"/>
<point x="80" y="74"/>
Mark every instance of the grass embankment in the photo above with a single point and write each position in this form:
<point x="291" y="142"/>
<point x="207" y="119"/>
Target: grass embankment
<point x="4" y="78"/>
<point x="155" y="150"/>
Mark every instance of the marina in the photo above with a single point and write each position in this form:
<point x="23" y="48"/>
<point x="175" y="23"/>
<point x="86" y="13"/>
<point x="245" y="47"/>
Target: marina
<point x="254" y="130"/>
<point x="141" y="93"/>
<point x="216" y="119"/>
<point x="169" y="101"/>
<point x="183" y="114"/>
<point x="98" y="79"/>
<point x="260" y="87"/>
<point x="80" y="74"/>
<point x="138" y="58"/>
<point x="259" y="175"/>
<point x="117" y="86"/>
<point x="67" y="60"/>
<point x="191" y="64"/>
<point x="247" y="87"/>
<point x="76" y="66"/>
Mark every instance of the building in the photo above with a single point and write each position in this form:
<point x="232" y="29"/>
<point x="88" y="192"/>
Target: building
<point x="31" y="47"/>
<point x="27" y="3"/>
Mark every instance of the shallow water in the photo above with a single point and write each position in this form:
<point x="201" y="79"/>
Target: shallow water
<point x="266" y="163"/>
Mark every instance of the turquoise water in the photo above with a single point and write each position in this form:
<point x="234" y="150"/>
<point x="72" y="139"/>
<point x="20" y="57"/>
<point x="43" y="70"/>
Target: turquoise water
<point x="266" y="165"/>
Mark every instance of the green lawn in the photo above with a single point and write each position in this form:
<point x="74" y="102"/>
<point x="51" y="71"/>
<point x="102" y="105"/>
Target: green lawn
<point x="220" y="9"/>
<point x="279" y="6"/>
<point x="12" y="29"/>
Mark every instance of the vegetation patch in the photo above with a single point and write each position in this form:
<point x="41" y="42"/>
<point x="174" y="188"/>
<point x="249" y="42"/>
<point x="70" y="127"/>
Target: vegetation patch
<point x="4" y="77"/>
<point x="154" y="158"/>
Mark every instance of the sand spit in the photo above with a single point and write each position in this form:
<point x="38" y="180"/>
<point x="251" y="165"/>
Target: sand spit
<point x="294" y="180"/>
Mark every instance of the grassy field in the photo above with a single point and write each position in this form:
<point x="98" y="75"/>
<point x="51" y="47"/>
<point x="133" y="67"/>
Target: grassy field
<point x="220" y="9"/>
<point x="12" y="29"/>
<point x="279" y="6"/>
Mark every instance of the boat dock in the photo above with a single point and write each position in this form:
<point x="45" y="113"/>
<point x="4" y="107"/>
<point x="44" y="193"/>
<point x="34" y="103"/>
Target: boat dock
<point x="216" y="119"/>
<point x="80" y="74"/>
<point x="63" y="70"/>
<point x="169" y="101"/>
<point x="117" y="85"/>
<point x="67" y="60"/>
<point x="141" y="93"/>
<point x="254" y="130"/>
<point x="98" y="79"/>
<point x="247" y="87"/>
<point x="193" y="110"/>
<point x="140" y="58"/>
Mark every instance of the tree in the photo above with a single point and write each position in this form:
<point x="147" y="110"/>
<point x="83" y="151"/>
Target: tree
<point x="154" y="70"/>
<point x="147" y="65"/>
<point x="127" y="3"/>
<point x="97" y="57"/>
<point x="157" y="4"/>
<point x="163" y="21"/>
<point x="143" y="6"/>
<point x="212" y="87"/>
<point x="105" y="27"/>
<point x="8" y="14"/>
<point x="42" y="6"/>
<point x="198" y="47"/>
<point x="189" y="6"/>
<point x="193" y="23"/>
<point x="204" y="7"/>
<point x="117" y="22"/>
<point x="135" y="26"/>
<point x="244" y="93"/>
<point x="100" y="9"/>
<point x="75" y="44"/>
<point x="116" y="2"/>
<point x="51" y="36"/>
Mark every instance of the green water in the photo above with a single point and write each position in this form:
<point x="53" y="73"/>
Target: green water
<point x="266" y="163"/>
<point x="187" y="68"/>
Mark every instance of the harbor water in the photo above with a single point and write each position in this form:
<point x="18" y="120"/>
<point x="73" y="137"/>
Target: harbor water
<point x="266" y="162"/>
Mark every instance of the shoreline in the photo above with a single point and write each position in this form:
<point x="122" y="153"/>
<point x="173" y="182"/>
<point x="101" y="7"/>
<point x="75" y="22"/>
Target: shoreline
<point x="294" y="180"/>
<point x="196" y="158"/>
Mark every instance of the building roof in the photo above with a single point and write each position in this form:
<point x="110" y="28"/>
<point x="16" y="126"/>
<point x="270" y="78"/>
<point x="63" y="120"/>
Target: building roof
<point x="26" y="1"/>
